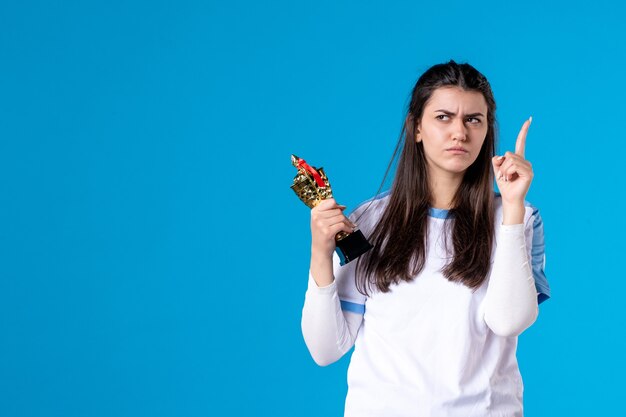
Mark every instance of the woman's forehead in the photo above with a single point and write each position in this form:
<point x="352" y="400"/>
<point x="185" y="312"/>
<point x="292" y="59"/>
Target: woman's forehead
<point x="454" y="98"/>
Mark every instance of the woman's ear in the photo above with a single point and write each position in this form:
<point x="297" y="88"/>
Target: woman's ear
<point x="418" y="136"/>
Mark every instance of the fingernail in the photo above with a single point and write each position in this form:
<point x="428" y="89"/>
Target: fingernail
<point x="531" y="120"/>
<point x="500" y="158"/>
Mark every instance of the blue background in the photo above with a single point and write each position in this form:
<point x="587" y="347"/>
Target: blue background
<point x="153" y="259"/>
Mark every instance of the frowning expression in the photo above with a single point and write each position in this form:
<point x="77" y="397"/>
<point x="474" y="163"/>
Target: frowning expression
<point x="452" y="129"/>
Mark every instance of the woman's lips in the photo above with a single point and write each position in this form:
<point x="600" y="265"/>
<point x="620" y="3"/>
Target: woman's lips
<point x="457" y="151"/>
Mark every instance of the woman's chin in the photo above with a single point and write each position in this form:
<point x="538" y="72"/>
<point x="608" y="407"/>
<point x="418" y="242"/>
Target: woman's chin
<point x="453" y="167"/>
<point x="457" y="168"/>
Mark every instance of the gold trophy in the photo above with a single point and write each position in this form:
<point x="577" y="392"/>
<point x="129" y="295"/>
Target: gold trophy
<point x="311" y="186"/>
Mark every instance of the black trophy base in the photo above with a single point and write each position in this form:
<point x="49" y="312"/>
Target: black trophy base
<point x="352" y="246"/>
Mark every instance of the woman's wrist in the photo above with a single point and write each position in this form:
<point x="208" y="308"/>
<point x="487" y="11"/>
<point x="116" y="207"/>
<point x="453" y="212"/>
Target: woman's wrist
<point x="513" y="213"/>
<point x="322" y="268"/>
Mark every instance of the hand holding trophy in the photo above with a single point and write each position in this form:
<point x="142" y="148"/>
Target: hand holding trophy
<point x="312" y="187"/>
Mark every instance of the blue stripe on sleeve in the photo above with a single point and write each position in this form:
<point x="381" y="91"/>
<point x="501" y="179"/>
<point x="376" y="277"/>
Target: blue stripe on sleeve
<point x="353" y="307"/>
<point x="539" y="258"/>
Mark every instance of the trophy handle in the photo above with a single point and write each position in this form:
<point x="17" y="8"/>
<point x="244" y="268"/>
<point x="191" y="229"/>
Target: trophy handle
<point x="350" y="246"/>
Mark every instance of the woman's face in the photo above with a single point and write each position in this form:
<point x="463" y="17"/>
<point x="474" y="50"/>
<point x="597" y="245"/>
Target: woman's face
<point x="453" y="118"/>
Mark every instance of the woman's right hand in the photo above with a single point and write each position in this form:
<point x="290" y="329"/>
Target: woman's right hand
<point x="327" y="219"/>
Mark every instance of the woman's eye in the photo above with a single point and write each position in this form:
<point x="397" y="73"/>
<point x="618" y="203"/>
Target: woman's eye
<point x="473" y="120"/>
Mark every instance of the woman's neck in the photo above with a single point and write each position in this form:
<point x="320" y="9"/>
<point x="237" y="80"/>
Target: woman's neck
<point x="443" y="187"/>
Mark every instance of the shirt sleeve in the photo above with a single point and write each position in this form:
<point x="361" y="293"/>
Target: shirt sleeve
<point x="332" y="315"/>
<point x="514" y="288"/>
<point x="329" y="332"/>
<point x="536" y="253"/>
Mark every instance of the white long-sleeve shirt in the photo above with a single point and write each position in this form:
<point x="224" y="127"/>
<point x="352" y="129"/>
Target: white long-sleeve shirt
<point x="432" y="347"/>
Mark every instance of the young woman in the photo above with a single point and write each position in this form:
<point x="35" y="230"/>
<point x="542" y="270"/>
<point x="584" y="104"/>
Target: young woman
<point x="456" y="272"/>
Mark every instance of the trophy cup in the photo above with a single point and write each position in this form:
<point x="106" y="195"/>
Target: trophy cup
<point x="311" y="185"/>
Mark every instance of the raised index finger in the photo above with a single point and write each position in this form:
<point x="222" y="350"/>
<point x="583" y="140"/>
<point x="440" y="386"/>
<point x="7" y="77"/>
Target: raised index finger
<point x="520" y="144"/>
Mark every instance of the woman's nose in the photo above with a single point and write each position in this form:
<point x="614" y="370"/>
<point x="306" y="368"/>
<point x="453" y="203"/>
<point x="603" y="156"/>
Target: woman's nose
<point x="459" y="131"/>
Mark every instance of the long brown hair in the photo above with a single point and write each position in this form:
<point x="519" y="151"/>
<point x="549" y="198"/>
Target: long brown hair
<point x="400" y="236"/>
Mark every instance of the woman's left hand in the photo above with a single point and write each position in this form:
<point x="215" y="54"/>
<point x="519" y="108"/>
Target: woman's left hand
<point x="514" y="173"/>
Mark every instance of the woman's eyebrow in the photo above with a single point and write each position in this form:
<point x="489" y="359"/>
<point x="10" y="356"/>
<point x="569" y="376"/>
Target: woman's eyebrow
<point x="449" y="113"/>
